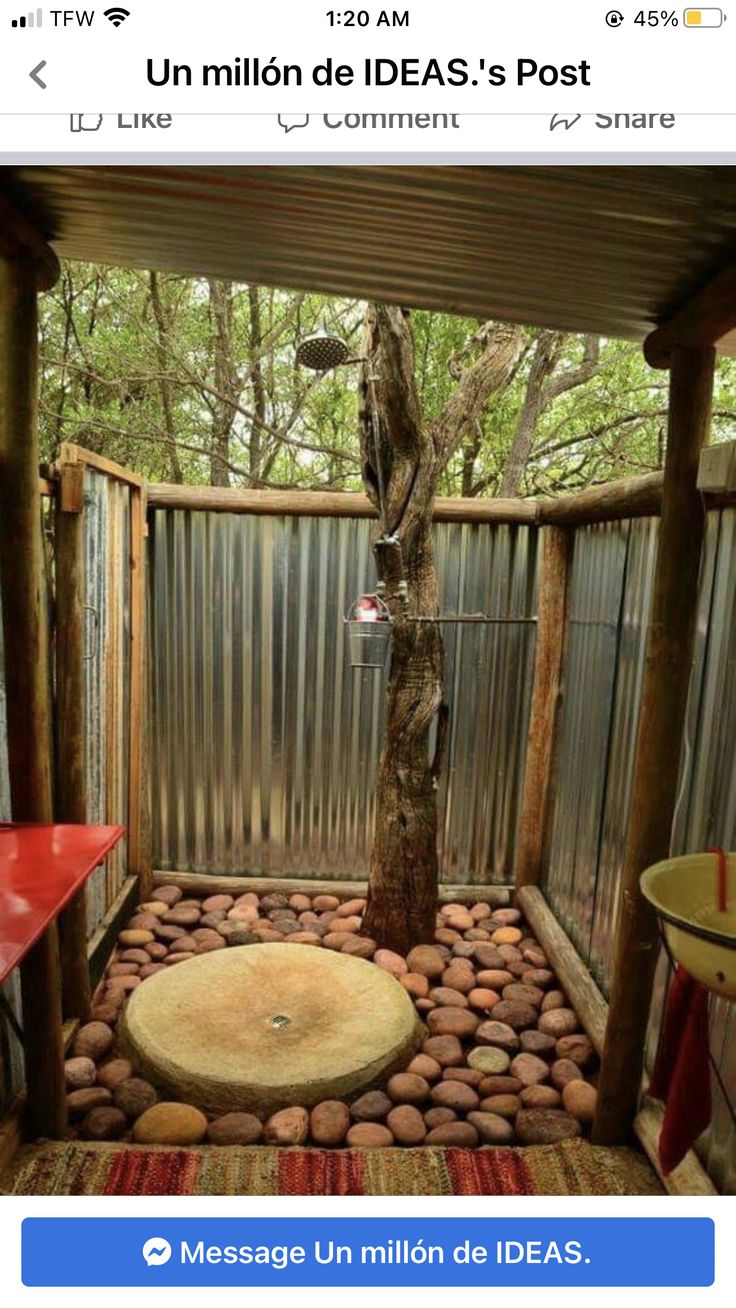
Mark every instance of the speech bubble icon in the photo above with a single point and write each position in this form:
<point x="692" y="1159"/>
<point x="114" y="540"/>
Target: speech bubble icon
<point x="290" y="121"/>
<point x="156" y="1251"/>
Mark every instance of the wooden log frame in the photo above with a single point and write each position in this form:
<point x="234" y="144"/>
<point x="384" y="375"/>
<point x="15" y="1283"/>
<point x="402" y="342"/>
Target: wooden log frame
<point x="689" y="1177"/>
<point x="138" y="855"/>
<point x="27" y="672"/>
<point x="659" y="740"/>
<point x="703" y="321"/>
<point x="71" y="789"/>
<point x="554" y="581"/>
<point x="197" y="883"/>
<point x="630" y="498"/>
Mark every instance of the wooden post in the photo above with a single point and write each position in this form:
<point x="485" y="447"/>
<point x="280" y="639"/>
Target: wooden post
<point x="27" y="666"/>
<point x="139" y="861"/>
<point x="546" y="699"/>
<point x="71" y="789"/>
<point x="659" y="741"/>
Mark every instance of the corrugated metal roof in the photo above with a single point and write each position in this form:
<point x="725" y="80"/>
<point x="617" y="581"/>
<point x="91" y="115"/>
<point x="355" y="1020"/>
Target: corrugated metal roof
<point x="610" y="250"/>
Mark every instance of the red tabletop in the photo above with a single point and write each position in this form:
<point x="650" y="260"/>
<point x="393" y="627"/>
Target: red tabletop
<point x="41" y="869"/>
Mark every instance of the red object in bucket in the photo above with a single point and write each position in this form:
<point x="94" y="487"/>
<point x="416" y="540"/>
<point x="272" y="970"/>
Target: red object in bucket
<point x="722" y="874"/>
<point x="366" y="609"/>
<point x="682" y="1074"/>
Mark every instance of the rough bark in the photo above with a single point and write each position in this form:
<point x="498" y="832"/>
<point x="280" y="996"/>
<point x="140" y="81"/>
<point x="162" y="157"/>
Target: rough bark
<point x="402" y="891"/>
<point x="164" y="384"/>
<point x="227" y="386"/>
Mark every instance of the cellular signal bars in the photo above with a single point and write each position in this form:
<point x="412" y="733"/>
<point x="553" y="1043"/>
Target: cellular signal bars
<point x="32" y="20"/>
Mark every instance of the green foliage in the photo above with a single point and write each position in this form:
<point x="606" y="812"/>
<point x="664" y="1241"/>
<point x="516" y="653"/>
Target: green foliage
<point x="184" y="379"/>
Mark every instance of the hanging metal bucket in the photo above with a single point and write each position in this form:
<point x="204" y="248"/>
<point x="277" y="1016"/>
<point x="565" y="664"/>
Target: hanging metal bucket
<point x="369" y="632"/>
<point x="700" y="931"/>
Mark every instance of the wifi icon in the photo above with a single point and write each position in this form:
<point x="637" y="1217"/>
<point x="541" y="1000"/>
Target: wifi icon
<point x="117" y="15"/>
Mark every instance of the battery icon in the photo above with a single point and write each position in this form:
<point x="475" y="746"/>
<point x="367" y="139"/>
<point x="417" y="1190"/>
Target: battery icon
<point x="703" y="17"/>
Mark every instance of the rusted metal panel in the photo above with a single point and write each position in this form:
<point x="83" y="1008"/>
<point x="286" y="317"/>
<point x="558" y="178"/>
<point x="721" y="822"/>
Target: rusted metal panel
<point x="599" y="249"/>
<point x="265" y="744"/>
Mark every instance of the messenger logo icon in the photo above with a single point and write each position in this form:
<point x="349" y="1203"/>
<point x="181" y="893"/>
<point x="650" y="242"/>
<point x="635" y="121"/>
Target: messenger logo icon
<point x="156" y="1251"/>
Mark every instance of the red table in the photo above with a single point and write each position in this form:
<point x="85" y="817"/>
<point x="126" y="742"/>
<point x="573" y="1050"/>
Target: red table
<point x="41" y="869"/>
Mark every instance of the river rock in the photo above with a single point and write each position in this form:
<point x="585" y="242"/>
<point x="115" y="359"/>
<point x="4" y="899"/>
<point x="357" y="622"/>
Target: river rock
<point x="290" y="1126"/>
<point x="479" y="912"/>
<point x="93" y="1040"/>
<point x="170" y="1123"/>
<point x="540" y="1096"/>
<point x="217" y="903"/>
<point x="426" y="1067"/>
<point x="499" y="1034"/>
<point x="506" y="935"/>
<point x="111" y="1074"/>
<point x="536" y="1042"/>
<point x="156" y="951"/>
<point x="81" y="1102"/>
<point x="495" y="979"/>
<point x="329" y="1123"/>
<point x="468" y="1075"/>
<point x="407" y="1125"/>
<point x="407" y="1088"/>
<point x="390" y="961"/>
<point x="579" y="1098"/>
<point x="438" y="1116"/>
<point x="578" y="1048"/>
<point x="483" y="1000"/>
<point x="372" y="1106"/>
<point x="531" y="995"/>
<point x="79" y="1073"/>
<point x="105" y="1123"/>
<point x="454" y="1094"/>
<point x="530" y="1069"/>
<point x="458" y="1022"/>
<point x="515" y="1014"/>
<point x="499" y="1085"/>
<point x="235" y="1129"/>
<point x="492" y="1128"/>
<point x="489" y="1060"/>
<point x="545" y="1126"/>
<point x="506" y="1106"/>
<point x="134" y="1096"/>
<point x="123" y="969"/>
<point x="562" y="1071"/>
<point x="446" y="936"/>
<point x="460" y="920"/>
<point x="460" y="1135"/>
<point x="415" y="984"/>
<point x="369" y="1135"/>
<point x="558" y="1022"/>
<point x="506" y="916"/>
<point x="447" y="998"/>
<point x="489" y="957"/>
<point x="169" y="895"/>
<point x="325" y="903"/>
<point x="133" y="938"/>
<point x="445" y="1049"/>
<point x="359" y="947"/>
<point x="537" y="976"/>
<point x="459" y="976"/>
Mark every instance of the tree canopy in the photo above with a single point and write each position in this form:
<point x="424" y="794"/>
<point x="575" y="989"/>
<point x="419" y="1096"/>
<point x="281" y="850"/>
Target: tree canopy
<point x="195" y="380"/>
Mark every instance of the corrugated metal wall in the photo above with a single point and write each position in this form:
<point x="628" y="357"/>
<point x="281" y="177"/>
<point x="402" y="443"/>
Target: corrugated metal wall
<point x="613" y="569"/>
<point x="264" y="744"/>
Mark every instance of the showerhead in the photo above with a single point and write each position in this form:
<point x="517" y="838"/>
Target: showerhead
<point x="321" y="353"/>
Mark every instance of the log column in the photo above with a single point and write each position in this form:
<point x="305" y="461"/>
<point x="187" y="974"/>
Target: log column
<point x="27" y="674"/>
<point x="659" y="741"/>
<point x="546" y="699"/>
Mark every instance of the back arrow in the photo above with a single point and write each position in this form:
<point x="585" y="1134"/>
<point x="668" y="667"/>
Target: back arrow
<point x="34" y="74"/>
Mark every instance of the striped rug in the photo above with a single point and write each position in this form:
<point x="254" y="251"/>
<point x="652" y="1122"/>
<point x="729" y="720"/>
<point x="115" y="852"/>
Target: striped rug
<point x="570" y="1168"/>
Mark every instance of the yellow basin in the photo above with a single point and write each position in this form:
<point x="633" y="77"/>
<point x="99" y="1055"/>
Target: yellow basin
<point x="684" y="894"/>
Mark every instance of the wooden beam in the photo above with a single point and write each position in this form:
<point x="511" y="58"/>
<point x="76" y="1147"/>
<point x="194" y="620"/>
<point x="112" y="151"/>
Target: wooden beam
<point x="27" y="672"/>
<point x="196" y="883"/>
<point x="102" y="942"/>
<point x="702" y="322"/>
<point x="634" y="497"/>
<point x="554" y="581"/>
<point x="689" y="1178"/>
<point x="659" y="741"/>
<point x="71" y="788"/>
<point x="71" y="454"/>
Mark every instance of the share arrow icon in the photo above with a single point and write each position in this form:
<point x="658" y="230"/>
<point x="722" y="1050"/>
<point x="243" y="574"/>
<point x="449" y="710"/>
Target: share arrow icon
<point x="564" y="120"/>
<point x="34" y="75"/>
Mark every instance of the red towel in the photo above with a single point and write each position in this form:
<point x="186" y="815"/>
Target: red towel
<point x="682" y="1073"/>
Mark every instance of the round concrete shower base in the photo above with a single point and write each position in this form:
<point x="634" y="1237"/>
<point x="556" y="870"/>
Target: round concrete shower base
<point x="262" y="1027"/>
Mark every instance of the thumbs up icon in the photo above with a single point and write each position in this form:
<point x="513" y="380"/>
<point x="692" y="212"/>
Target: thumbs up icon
<point x="85" y="122"/>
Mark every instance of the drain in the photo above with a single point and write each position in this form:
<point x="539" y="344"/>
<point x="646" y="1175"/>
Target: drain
<point x="280" y="1021"/>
